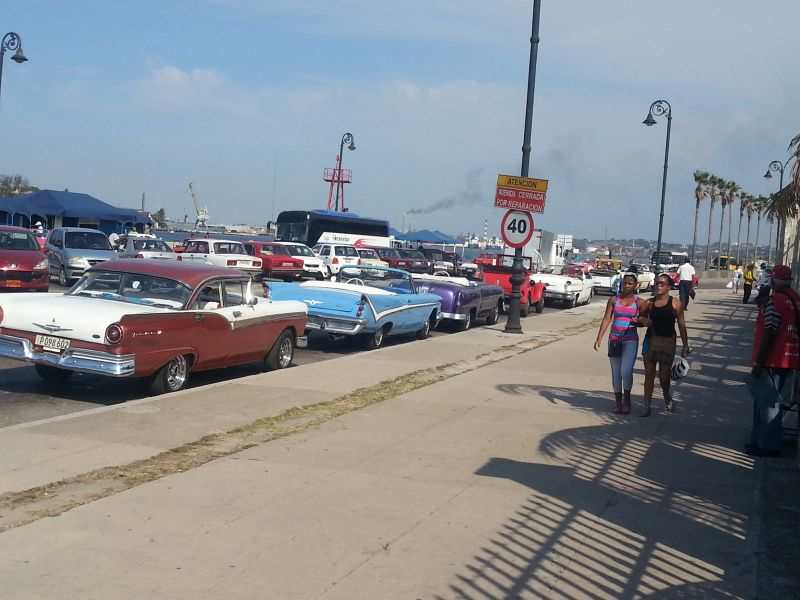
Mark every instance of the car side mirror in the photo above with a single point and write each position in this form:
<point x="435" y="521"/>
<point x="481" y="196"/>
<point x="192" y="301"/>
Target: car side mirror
<point x="252" y="301"/>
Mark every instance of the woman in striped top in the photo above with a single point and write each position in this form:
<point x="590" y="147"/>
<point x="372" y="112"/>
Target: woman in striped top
<point x="622" y="315"/>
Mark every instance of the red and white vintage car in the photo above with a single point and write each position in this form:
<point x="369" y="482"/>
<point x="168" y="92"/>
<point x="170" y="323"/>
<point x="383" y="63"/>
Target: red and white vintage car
<point x="152" y="319"/>
<point x="23" y="264"/>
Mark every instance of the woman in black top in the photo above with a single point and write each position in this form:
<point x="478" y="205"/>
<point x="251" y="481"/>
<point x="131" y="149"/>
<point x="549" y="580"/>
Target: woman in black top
<point x="660" y="315"/>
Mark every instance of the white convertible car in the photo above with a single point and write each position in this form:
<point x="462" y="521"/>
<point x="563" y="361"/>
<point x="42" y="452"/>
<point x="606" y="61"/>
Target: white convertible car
<point x="567" y="290"/>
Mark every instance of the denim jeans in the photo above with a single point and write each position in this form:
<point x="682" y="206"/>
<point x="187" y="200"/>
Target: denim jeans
<point x="622" y="366"/>
<point x="768" y="391"/>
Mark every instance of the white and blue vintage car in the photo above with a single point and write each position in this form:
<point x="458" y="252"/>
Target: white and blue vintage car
<point x="368" y="301"/>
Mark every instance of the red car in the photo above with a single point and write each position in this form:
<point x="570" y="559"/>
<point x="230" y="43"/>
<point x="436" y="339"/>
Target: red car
<point x="23" y="265"/>
<point x="496" y="269"/>
<point x="155" y="319"/>
<point x="413" y="261"/>
<point x="276" y="261"/>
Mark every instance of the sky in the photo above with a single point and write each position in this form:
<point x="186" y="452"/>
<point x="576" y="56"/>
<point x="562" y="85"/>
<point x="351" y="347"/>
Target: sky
<point x="248" y="99"/>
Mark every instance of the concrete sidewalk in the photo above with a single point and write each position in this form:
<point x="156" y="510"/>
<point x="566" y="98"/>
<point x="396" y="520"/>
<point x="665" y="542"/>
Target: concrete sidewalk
<point x="512" y="480"/>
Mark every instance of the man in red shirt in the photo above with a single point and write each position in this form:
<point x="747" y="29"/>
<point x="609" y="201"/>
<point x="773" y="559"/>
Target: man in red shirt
<point x="776" y="353"/>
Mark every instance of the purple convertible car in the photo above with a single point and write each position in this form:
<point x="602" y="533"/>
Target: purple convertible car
<point x="463" y="301"/>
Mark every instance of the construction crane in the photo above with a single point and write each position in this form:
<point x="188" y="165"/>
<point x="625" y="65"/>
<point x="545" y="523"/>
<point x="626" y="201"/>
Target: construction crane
<point x="201" y="219"/>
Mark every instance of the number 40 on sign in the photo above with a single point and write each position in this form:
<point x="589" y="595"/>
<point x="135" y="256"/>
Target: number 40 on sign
<point x="516" y="228"/>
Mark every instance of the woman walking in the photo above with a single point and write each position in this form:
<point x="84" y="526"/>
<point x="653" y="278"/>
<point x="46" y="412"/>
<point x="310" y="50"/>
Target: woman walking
<point x="622" y="314"/>
<point x="659" y="314"/>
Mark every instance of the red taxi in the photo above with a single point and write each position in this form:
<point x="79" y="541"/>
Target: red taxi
<point x="23" y="265"/>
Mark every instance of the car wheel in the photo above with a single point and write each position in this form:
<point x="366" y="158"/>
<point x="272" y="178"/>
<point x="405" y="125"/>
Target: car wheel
<point x="282" y="352"/>
<point x="494" y="315"/>
<point x="172" y="377"/>
<point x="52" y="375"/>
<point x="466" y="323"/>
<point x="539" y="306"/>
<point x="62" y="277"/>
<point x="425" y="332"/>
<point x="375" y="340"/>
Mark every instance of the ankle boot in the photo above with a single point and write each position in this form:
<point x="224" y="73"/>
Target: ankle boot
<point x="626" y="402"/>
<point x="618" y="401"/>
<point x="667" y="401"/>
<point x="646" y="411"/>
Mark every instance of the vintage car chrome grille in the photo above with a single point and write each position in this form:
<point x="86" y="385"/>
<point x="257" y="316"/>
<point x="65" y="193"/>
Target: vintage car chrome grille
<point x="20" y="275"/>
<point x="94" y="261"/>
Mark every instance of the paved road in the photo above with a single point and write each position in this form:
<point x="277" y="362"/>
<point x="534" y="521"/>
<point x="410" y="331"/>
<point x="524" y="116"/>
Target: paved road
<point x="24" y="397"/>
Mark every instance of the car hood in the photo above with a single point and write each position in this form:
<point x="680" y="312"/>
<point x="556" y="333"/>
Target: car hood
<point x="24" y="260"/>
<point x="74" y="317"/>
<point x="337" y="298"/>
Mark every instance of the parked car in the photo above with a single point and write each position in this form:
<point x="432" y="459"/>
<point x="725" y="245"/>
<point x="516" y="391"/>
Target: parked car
<point x="644" y="275"/>
<point x="334" y="256"/>
<point x="222" y="253"/>
<point x="275" y="260"/>
<point x="393" y="258"/>
<point x="312" y="264"/>
<point x="566" y="290"/>
<point x="368" y="256"/>
<point x="160" y="320"/>
<point x="603" y="280"/>
<point x="496" y="269"/>
<point x="463" y="301"/>
<point x="145" y="247"/>
<point x="417" y="262"/>
<point x="23" y="264"/>
<point x="370" y="302"/>
<point x="72" y="250"/>
<point x="442" y="261"/>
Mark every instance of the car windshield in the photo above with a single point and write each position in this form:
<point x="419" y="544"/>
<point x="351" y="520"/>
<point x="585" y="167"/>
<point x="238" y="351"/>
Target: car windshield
<point x="388" y="253"/>
<point x="134" y="288"/>
<point x="86" y="240"/>
<point x="392" y="280"/>
<point x="151" y="245"/>
<point x="299" y="250"/>
<point x="415" y="254"/>
<point x="229" y="248"/>
<point x="346" y="251"/>
<point x="17" y="240"/>
<point x="603" y="273"/>
<point x="275" y="250"/>
<point x="367" y="253"/>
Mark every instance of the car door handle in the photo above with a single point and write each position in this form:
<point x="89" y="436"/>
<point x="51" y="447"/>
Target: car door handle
<point x="237" y="313"/>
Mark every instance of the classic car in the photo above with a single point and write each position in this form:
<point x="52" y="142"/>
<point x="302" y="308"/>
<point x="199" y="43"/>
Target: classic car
<point x="442" y="261"/>
<point x="72" y="250"/>
<point x="370" y="302"/>
<point x="222" y="253"/>
<point x="334" y="256"/>
<point x="368" y="256"/>
<point x="275" y="260"/>
<point x="567" y="290"/>
<point x="644" y="275"/>
<point x="463" y="301"/>
<point x="312" y="264"/>
<point x="603" y="280"/>
<point x="496" y="269"/>
<point x="160" y="320"/>
<point x="392" y="257"/>
<point x="144" y="247"/>
<point x="417" y="261"/>
<point x="23" y="265"/>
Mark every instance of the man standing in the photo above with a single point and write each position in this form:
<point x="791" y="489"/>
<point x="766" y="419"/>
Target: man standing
<point x="686" y="274"/>
<point x="776" y="353"/>
<point x="749" y="277"/>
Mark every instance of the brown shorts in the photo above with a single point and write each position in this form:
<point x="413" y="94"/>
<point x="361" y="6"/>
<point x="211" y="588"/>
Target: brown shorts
<point x="661" y="350"/>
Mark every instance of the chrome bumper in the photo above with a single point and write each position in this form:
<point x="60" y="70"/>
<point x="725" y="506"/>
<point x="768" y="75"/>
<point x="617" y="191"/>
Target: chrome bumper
<point x="335" y="325"/>
<point x="72" y="359"/>
<point x="453" y="316"/>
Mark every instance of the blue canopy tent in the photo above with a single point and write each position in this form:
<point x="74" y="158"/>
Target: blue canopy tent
<point x="427" y="236"/>
<point x="69" y="209"/>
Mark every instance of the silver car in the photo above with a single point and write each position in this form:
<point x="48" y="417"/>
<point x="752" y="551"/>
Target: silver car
<point x="72" y="250"/>
<point x="141" y="247"/>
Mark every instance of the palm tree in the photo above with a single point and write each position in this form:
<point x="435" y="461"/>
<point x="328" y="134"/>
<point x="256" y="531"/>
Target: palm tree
<point x="742" y="208"/>
<point x="723" y="202"/>
<point x="759" y="210"/>
<point x="700" y="192"/>
<point x="713" y="197"/>
<point x="733" y="192"/>
<point x="749" y="208"/>
<point x="770" y="214"/>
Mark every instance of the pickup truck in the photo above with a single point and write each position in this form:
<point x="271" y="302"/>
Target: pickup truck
<point x="496" y="270"/>
<point x="222" y="253"/>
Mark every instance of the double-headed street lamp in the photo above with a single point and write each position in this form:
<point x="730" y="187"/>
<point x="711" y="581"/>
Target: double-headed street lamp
<point x="778" y="167"/>
<point x="11" y="42"/>
<point x="657" y="109"/>
<point x="348" y="139"/>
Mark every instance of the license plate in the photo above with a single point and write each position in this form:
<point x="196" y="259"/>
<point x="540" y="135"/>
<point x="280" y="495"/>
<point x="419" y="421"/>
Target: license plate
<point x="13" y="283"/>
<point x="286" y="264"/>
<point x="301" y="341"/>
<point x="52" y="344"/>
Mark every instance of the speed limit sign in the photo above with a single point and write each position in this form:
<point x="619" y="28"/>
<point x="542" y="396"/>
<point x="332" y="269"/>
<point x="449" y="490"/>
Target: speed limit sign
<point x="516" y="228"/>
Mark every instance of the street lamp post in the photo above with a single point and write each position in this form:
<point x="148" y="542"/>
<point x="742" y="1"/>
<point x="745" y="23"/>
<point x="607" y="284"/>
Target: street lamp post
<point x="778" y="167"/>
<point x="513" y="324"/>
<point x="658" y="109"/>
<point x="11" y="42"/>
<point x="348" y="139"/>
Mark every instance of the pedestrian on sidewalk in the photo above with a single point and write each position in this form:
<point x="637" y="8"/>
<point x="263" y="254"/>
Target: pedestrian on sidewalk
<point x="776" y="354"/>
<point x="763" y="285"/>
<point x="686" y="275"/>
<point x="622" y="314"/>
<point x="737" y="279"/>
<point x="749" y="278"/>
<point x="660" y="314"/>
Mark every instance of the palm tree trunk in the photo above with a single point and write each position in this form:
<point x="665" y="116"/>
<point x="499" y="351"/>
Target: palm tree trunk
<point x="758" y="230"/>
<point x="739" y="238"/>
<point x="747" y="244"/>
<point x="730" y="227"/>
<point x="708" y="238"/>
<point x="721" y="229"/>
<point x="769" y="244"/>
<point x="694" y="236"/>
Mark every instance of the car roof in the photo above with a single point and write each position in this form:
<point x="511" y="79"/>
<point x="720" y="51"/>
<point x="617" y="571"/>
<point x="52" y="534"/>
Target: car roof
<point x="213" y="240"/>
<point x="190" y="274"/>
<point x="86" y="229"/>
<point x="14" y="228"/>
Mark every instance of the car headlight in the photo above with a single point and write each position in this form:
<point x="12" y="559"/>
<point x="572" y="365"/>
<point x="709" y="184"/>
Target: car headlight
<point x="77" y="261"/>
<point x="42" y="265"/>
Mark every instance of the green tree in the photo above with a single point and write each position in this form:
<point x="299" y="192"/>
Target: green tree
<point x="160" y="216"/>
<point x="713" y="196"/>
<point x="700" y="192"/>
<point x="12" y="185"/>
